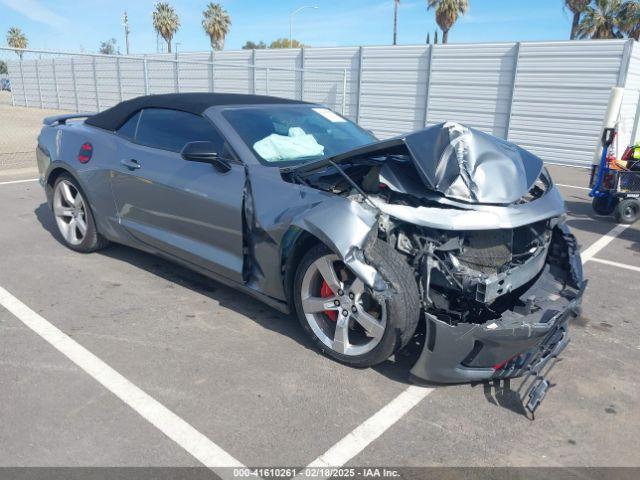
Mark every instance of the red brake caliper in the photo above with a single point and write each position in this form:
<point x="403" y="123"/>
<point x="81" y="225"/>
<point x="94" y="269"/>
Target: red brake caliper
<point x="325" y="292"/>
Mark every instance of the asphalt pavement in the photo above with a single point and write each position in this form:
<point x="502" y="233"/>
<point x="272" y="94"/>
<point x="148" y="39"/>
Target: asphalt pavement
<point x="246" y="378"/>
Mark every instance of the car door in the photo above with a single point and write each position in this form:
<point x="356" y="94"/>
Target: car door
<point x="190" y="210"/>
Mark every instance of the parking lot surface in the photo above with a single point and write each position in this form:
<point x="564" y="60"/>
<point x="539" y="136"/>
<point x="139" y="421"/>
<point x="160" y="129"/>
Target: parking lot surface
<point x="245" y="377"/>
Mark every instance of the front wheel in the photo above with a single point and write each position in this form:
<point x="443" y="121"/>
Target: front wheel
<point x="348" y="320"/>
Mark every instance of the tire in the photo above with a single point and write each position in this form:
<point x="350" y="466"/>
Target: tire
<point x="627" y="211"/>
<point x="604" y="205"/>
<point x="73" y="216"/>
<point x="395" y="313"/>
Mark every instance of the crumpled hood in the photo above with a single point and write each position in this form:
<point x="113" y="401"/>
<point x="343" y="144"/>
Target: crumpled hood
<point x="461" y="163"/>
<point x="468" y="165"/>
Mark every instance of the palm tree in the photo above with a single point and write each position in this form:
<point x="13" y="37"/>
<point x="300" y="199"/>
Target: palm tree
<point x="630" y="18"/>
<point x="17" y="39"/>
<point x="601" y="20"/>
<point x="577" y="7"/>
<point x="216" y="22"/>
<point x="166" y="22"/>
<point x="395" y="21"/>
<point x="447" y="12"/>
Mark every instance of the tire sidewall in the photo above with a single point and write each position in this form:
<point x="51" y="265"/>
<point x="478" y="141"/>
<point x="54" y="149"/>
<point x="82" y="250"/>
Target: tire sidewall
<point x="604" y="205"/>
<point x="619" y="213"/>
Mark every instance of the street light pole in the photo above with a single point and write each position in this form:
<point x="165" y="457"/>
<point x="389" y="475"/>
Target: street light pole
<point x="291" y="22"/>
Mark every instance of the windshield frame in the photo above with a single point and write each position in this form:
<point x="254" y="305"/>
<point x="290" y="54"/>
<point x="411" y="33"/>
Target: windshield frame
<point x="289" y="163"/>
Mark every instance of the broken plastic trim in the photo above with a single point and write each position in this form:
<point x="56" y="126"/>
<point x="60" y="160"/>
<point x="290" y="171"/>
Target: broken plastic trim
<point x="469" y="351"/>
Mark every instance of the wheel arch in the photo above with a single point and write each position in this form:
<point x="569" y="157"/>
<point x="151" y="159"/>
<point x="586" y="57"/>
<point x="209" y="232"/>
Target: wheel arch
<point x="60" y="168"/>
<point x="295" y="243"/>
<point x="57" y="169"/>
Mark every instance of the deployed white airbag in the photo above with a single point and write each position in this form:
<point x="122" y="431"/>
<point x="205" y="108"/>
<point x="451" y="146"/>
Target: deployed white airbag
<point x="297" y="144"/>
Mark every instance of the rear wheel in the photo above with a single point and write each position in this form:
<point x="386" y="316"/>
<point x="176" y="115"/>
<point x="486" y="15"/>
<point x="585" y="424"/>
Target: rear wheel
<point x="628" y="211"/>
<point x="346" y="319"/>
<point x="73" y="216"/>
<point x="604" y="205"/>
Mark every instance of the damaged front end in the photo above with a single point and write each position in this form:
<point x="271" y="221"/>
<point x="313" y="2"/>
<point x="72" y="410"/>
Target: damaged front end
<point x="499" y="320"/>
<point x="482" y="225"/>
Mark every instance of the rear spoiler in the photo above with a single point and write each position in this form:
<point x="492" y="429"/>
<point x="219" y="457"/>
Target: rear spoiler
<point x="62" y="119"/>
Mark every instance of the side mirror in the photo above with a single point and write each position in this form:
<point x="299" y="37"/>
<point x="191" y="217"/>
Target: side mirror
<point x="204" y="152"/>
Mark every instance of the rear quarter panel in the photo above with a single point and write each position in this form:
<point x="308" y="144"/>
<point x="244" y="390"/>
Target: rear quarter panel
<point x="58" y="148"/>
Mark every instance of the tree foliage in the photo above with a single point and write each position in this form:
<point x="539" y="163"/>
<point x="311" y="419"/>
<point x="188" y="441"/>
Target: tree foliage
<point x="3" y="68"/>
<point x="447" y="13"/>
<point x="630" y="19"/>
<point x="610" y="19"/>
<point x="17" y="39"/>
<point x="284" y="43"/>
<point x="109" y="47"/>
<point x="249" y="45"/>
<point x="216" y="23"/>
<point x="577" y="8"/>
<point x="166" y="22"/>
<point x="601" y="20"/>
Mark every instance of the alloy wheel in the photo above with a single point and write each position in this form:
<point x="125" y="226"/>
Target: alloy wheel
<point x="69" y="209"/>
<point x="340" y="309"/>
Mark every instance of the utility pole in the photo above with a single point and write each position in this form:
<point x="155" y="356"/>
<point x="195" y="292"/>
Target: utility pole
<point x="395" y="21"/>
<point x="125" y="22"/>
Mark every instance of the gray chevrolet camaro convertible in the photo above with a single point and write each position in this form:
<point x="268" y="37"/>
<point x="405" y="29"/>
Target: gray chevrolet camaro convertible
<point x="362" y="239"/>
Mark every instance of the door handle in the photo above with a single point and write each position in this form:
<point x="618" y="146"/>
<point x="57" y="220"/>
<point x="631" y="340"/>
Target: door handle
<point x="131" y="164"/>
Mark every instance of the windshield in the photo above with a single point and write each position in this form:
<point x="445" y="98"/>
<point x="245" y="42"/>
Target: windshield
<point x="283" y="135"/>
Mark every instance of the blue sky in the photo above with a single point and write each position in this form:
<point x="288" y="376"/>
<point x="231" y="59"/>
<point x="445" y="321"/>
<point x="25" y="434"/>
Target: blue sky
<point x="81" y="24"/>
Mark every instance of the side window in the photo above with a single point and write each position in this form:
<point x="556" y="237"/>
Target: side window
<point x="172" y="129"/>
<point x="128" y="130"/>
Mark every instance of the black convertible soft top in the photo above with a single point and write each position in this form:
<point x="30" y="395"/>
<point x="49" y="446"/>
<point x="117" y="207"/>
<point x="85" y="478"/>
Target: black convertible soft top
<point x="114" y="117"/>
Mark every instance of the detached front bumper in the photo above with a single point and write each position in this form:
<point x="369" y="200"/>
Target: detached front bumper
<point x="521" y="341"/>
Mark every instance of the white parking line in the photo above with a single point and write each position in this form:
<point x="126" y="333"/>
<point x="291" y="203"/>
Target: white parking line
<point x="174" y="427"/>
<point x="572" y="186"/>
<point x="602" y="242"/>
<point x="615" y="264"/>
<point x="372" y="428"/>
<point x="11" y="182"/>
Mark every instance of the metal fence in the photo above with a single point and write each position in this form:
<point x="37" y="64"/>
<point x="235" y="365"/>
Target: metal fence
<point x="55" y="81"/>
<point x="549" y="97"/>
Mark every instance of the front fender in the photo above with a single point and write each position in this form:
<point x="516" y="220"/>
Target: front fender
<point x="346" y="227"/>
<point x="273" y="223"/>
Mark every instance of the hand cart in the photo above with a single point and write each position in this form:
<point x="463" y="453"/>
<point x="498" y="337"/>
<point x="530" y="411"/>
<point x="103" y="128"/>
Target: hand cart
<point x="615" y="188"/>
